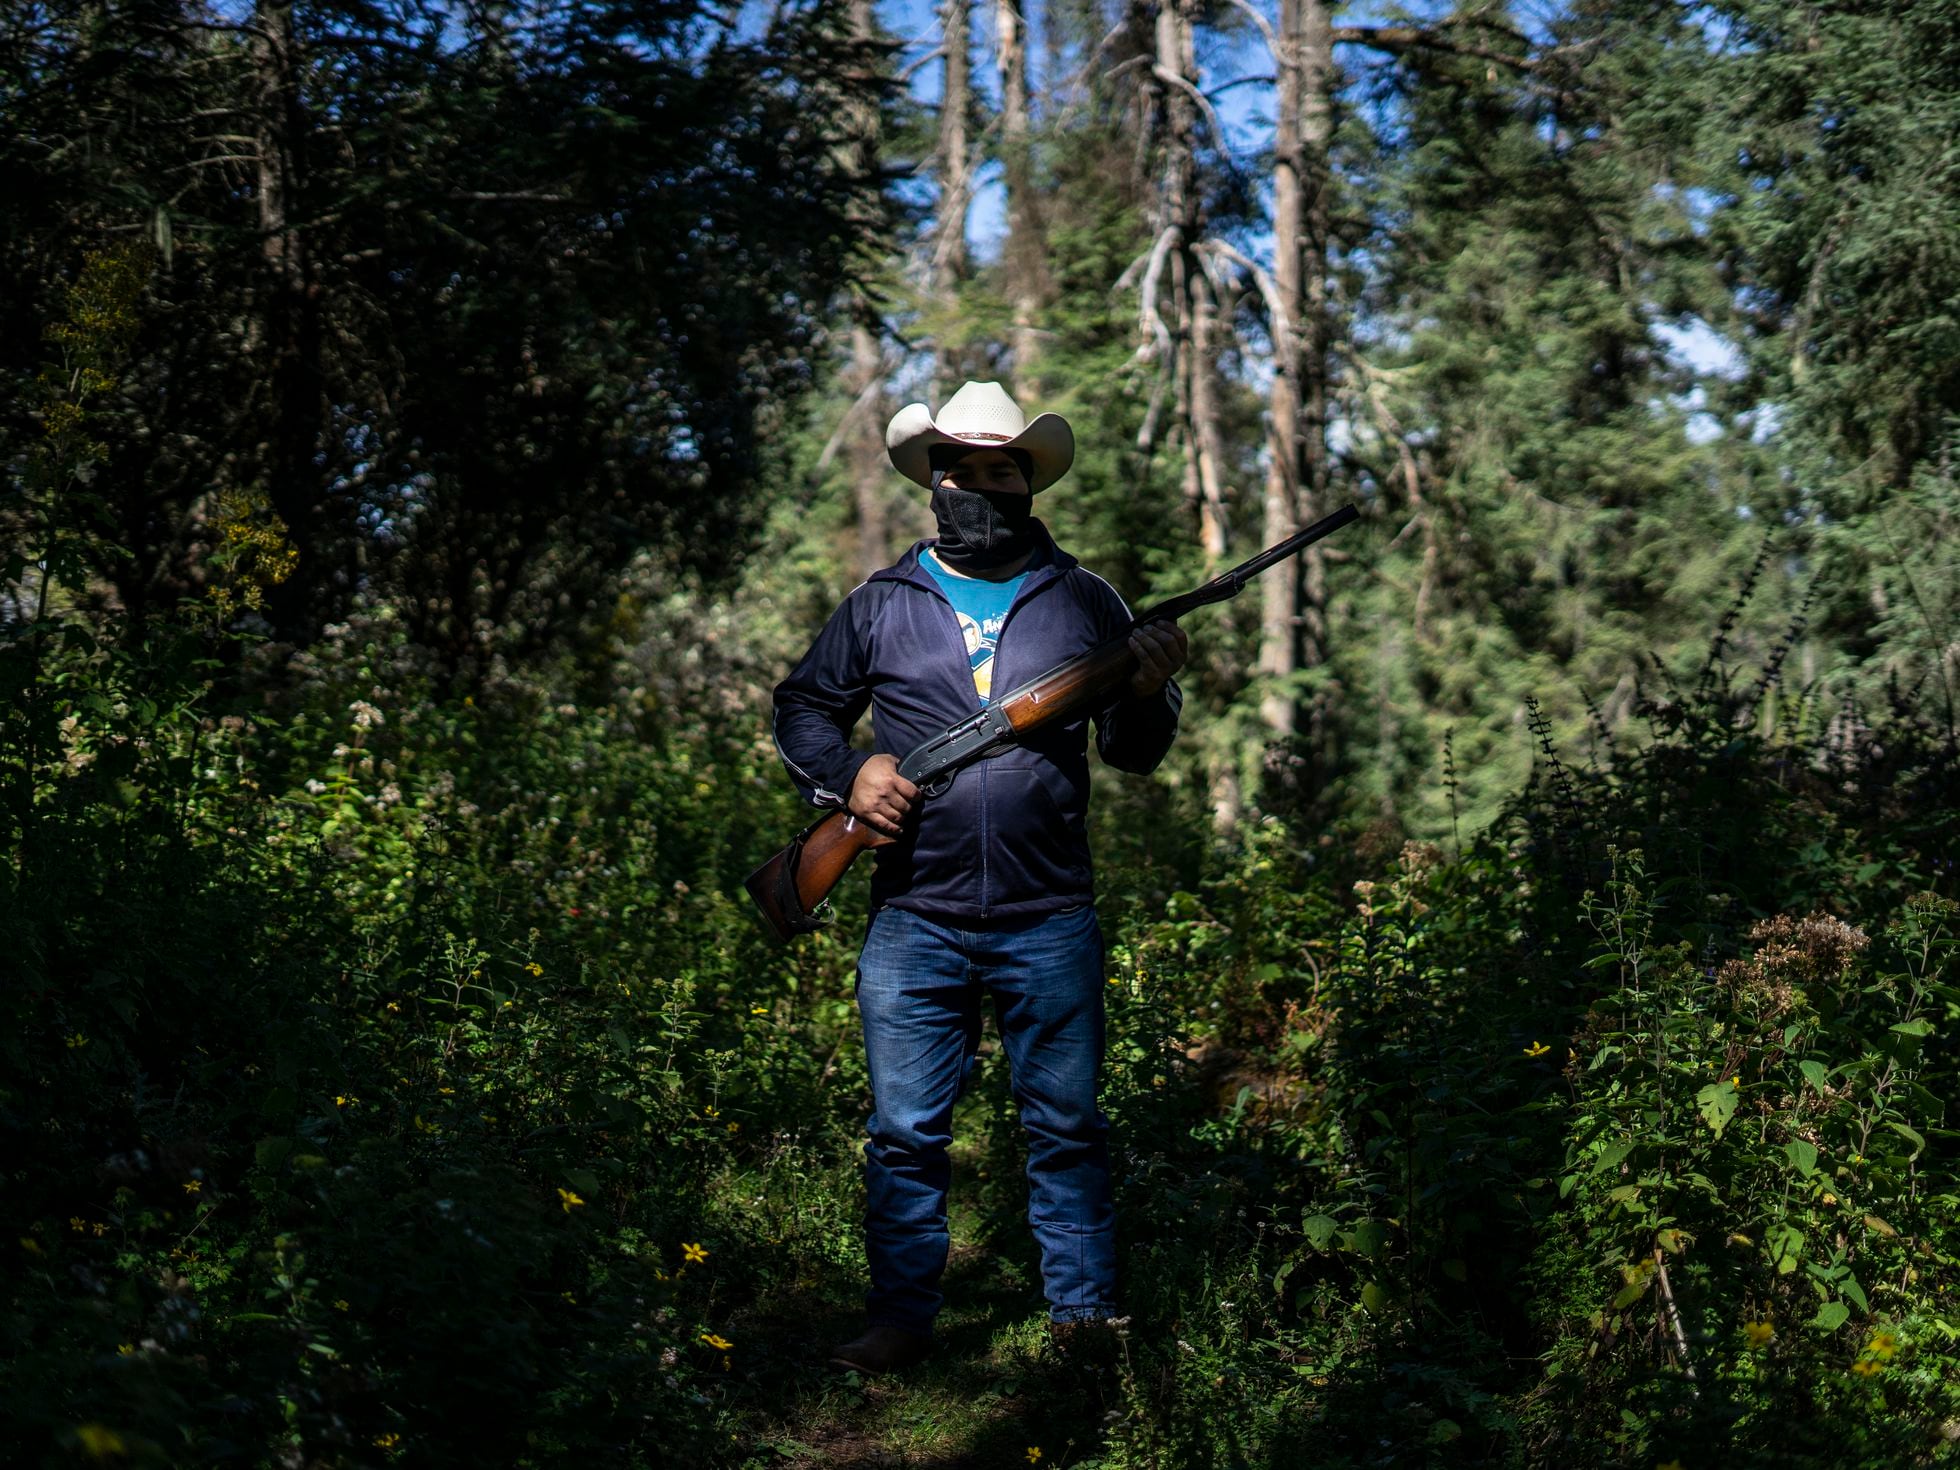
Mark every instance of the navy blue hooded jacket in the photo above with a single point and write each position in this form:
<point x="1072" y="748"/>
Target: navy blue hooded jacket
<point x="1009" y="839"/>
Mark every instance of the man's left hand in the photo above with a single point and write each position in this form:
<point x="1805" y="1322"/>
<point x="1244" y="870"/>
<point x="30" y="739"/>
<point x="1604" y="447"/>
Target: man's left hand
<point x="1161" y="649"/>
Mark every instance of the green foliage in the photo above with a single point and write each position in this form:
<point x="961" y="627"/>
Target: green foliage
<point x="382" y="1047"/>
<point x="424" y="290"/>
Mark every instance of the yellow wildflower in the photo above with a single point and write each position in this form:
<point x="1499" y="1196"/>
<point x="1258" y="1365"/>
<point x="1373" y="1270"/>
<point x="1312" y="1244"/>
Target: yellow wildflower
<point x="1536" y="1049"/>
<point x="1758" y="1334"/>
<point x="98" y="1229"/>
<point x="77" y="1223"/>
<point x="422" y="1127"/>
<point x="734" y="1127"/>
<point x="340" y="1305"/>
<point x="387" y="1441"/>
<point x="127" y="1349"/>
<point x="711" y="1111"/>
<point x="1829" y="1198"/>
<point x="1865" y="1368"/>
<point x="394" y="1008"/>
<point x="193" y="1186"/>
<point x="1735" y="1082"/>
<point x="340" y="1099"/>
<point x="694" y="1253"/>
<point x="1882" y="1346"/>
<point x="568" y="1200"/>
<point x="99" y="1441"/>
<point x="1034" y="1454"/>
<point x="534" y="968"/>
<point x="758" y="1010"/>
<point x="717" y="1342"/>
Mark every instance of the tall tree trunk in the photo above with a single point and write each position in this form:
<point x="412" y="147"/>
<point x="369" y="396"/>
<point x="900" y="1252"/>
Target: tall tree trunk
<point x="952" y="162"/>
<point x="1194" y="324"/>
<point x="1027" y="266"/>
<point x="869" y="469"/>
<point x="1293" y="631"/>
<point x="284" y="332"/>
<point x="1188" y="307"/>
<point x="1316" y="343"/>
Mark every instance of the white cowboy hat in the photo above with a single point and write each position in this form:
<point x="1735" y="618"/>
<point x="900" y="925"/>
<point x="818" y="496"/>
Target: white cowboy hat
<point x="979" y="416"/>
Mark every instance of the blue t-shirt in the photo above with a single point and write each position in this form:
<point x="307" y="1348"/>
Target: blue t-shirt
<point x="981" y="606"/>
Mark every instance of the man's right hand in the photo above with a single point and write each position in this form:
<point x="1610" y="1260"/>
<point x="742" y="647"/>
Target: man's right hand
<point x="880" y="797"/>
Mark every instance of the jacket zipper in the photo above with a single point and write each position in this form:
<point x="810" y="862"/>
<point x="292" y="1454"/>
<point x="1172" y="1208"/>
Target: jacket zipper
<point x="926" y="582"/>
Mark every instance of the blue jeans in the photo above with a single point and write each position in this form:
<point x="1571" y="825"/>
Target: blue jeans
<point x="919" y="988"/>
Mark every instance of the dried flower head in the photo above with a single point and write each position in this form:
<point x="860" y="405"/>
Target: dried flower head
<point x="1419" y="858"/>
<point x="1790" y="955"/>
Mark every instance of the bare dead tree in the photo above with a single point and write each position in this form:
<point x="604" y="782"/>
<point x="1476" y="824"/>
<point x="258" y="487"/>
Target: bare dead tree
<point x="949" y="262"/>
<point x="1027" y="256"/>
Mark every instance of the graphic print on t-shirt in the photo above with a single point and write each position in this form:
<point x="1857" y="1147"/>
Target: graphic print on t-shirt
<point x="981" y="608"/>
<point x="982" y="638"/>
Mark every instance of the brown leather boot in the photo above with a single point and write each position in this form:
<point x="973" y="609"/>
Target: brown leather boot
<point x="882" y="1349"/>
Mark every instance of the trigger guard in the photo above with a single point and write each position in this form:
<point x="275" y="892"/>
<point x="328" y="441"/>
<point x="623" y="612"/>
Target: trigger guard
<point x="938" y="787"/>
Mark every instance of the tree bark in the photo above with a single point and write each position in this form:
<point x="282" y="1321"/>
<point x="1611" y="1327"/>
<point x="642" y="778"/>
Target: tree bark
<point x="952" y="162"/>
<point x="1186" y="303"/>
<point x="1193" y="325"/>
<point x="1293" y="633"/>
<point x="284" y="329"/>
<point x="1027" y="265"/>
<point x="869" y="469"/>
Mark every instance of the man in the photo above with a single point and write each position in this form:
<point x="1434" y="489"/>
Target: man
<point x="987" y="886"/>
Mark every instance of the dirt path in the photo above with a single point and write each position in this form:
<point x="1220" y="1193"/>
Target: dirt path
<point x="990" y="1393"/>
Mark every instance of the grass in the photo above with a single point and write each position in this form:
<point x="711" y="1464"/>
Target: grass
<point x="992" y="1388"/>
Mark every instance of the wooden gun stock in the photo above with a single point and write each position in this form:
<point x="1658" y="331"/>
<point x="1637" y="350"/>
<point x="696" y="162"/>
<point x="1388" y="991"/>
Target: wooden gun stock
<point x="792" y="885"/>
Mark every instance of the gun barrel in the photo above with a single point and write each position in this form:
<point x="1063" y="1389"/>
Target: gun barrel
<point x="1297" y="542"/>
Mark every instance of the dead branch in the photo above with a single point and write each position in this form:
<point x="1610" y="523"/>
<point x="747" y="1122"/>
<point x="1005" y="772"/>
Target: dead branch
<point x="1398" y="39"/>
<point x="1150" y="317"/>
<point x="1164" y="74"/>
<point x="1265" y="28"/>
<point x="1263" y="279"/>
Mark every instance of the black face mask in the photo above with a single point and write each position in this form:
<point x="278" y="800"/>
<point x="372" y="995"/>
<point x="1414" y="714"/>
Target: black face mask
<point x="982" y="529"/>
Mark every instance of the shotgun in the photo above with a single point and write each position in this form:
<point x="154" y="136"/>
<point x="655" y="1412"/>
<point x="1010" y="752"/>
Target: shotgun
<point x="792" y="888"/>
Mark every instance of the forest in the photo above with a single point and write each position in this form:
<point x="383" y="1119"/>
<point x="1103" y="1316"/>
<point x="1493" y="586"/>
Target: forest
<point x="428" y="433"/>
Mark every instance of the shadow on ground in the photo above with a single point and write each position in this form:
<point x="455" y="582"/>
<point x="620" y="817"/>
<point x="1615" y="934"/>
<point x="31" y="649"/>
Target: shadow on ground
<point x="991" y="1392"/>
